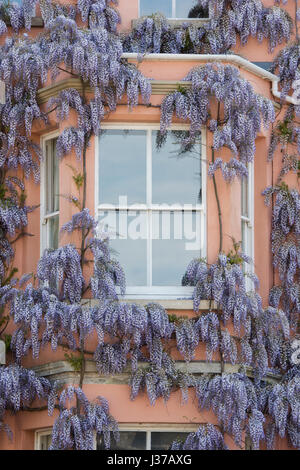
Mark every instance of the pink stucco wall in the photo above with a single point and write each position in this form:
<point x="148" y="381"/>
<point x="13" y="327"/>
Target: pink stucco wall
<point x="28" y="248"/>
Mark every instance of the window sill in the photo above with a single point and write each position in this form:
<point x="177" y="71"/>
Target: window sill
<point x="194" y="21"/>
<point x="178" y="21"/>
<point x="63" y="371"/>
<point x="168" y="304"/>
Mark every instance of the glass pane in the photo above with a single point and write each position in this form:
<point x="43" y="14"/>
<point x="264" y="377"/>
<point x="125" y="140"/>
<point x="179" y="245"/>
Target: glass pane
<point x="53" y="232"/>
<point x="189" y="9"/>
<point x="52" y="177"/>
<point x="163" y="440"/>
<point x="45" y="441"/>
<point x="122" y="166"/>
<point x="244" y="191"/>
<point x="176" y="240"/>
<point x="148" y="7"/>
<point x="176" y="179"/>
<point x="128" y="240"/>
<point x="129" y="440"/>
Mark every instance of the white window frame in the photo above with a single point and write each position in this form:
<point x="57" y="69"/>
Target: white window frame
<point x="130" y="427"/>
<point x="39" y="433"/>
<point x="247" y="224"/>
<point x="158" y="292"/>
<point x="44" y="217"/>
<point x="174" y="17"/>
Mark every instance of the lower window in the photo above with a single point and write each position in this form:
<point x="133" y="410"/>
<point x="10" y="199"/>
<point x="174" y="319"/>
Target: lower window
<point x="144" y="440"/>
<point x="131" y="438"/>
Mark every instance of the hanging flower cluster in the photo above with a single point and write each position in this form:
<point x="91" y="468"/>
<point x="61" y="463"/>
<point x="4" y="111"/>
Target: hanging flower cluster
<point x="233" y="399"/>
<point x="18" y="16"/>
<point x="19" y="388"/>
<point x="286" y="65"/>
<point x="75" y="430"/>
<point x="160" y="379"/>
<point x="286" y="248"/>
<point x="229" y="19"/>
<point x="207" y="437"/>
<point x="95" y="57"/>
<point x="264" y="334"/>
<point x="240" y="114"/>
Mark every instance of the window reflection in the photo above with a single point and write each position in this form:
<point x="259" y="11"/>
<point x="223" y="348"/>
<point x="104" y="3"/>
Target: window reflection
<point x="122" y="166"/>
<point x="164" y="440"/>
<point x="156" y="6"/>
<point x="182" y="8"/>
<point x="129" y="440"/>
<point x="176" y="178"/>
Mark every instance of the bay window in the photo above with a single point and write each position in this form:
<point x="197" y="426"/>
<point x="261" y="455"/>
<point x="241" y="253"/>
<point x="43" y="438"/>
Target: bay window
<point x="151" y="202"/>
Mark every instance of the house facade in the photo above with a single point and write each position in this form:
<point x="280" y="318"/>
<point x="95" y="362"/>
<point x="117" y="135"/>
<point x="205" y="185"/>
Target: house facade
<point x="161" y="211"/>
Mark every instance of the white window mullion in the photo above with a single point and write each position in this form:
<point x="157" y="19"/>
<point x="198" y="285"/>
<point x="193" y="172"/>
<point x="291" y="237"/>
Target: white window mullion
<point x="149" y="204"/>
<point x="149" y="167"/>
<point x="173" y="8"/>
<point x="148" y="440"/>
<point x="203" y="164"/>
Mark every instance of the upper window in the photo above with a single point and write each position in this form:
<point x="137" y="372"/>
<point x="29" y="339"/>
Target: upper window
<point x="173" y="8"/>
<point x="152" y="203"/>
<point x="50" y="195"/>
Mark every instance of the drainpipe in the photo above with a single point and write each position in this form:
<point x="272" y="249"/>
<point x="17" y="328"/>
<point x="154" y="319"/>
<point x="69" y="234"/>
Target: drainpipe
<point x="276" y="92"/>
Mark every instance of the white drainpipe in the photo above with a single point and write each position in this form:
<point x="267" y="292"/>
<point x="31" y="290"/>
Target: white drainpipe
<point x="232" y="58"/>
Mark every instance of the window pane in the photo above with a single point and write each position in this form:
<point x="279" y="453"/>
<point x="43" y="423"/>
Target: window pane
<point x="245" y="202"/>
<point x="163" y="440"/>
<point x="53" y="232"/>
<point x="52" y="177"/>
<point x="122" y="167"/>
<point x="148" y="7"/>
<point x="176" y="179"/>
<point x="128" y="240"/>
<point x="45" y="441"/>
<point x="129" y="440"/>
<point x="176" y="240"/>
<point x="189" y="9"/>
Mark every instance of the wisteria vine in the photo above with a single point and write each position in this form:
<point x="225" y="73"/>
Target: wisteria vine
<point x="47" y="309"/>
